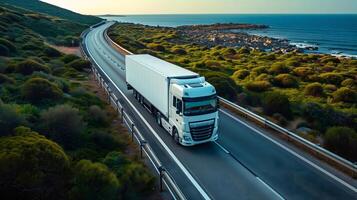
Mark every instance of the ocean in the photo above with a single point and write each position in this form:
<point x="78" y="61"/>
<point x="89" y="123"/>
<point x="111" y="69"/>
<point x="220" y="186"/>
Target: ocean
<point x="331" y="33"/>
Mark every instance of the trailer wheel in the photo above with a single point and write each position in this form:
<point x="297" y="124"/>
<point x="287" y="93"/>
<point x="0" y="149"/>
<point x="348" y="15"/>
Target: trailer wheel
<point x="175" y="136"/>
<point x="158" y="119"/>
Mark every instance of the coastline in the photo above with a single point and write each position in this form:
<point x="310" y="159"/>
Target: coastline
<point x="332" y="34"/>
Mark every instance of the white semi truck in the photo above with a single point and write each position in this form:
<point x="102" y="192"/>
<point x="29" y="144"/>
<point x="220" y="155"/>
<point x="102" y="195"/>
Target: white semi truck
<point x="183" y="103"/>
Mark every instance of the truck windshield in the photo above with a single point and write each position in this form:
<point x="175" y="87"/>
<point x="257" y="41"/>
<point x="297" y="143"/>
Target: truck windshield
<point x="200" y="106"/>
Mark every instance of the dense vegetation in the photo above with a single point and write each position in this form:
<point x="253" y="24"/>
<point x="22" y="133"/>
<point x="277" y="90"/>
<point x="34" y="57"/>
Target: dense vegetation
<point x="318" y="92"/>
<point x="58" y="139"/>
<point x="45" y="8"/>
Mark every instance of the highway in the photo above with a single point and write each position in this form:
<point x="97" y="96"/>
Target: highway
<point x="243" y="164"/>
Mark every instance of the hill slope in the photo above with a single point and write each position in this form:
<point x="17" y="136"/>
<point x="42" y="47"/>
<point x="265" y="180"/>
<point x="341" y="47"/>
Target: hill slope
<point x="42" y="7"/>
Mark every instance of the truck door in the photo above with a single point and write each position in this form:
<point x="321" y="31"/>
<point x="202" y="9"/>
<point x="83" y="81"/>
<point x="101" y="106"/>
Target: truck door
<point x="176" y="112"/>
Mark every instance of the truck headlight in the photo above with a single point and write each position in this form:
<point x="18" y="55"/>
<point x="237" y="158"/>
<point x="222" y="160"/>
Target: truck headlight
<point x="187" y="138"/>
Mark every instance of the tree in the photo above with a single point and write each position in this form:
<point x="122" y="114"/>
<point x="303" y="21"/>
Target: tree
<point x="38" y="89"/>
<point x="224" y="85"/>
<point x="343" y="141"/>
<point x="63" y="124"/>
<point x="94" y="181"/>
<point x="9" y="119"/>
<point x="32" y="167"/>
<point x="274" y="102"/>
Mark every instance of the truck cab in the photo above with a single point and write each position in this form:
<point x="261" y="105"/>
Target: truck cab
<point x="193" y="106"/>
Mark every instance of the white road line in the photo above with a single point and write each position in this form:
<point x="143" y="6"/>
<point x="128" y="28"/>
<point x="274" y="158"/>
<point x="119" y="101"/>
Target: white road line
<point x="176" y="160"/>
<point x="294" y="153"/>
<point x="271" y="189"/>
<point x="220" y="146"/>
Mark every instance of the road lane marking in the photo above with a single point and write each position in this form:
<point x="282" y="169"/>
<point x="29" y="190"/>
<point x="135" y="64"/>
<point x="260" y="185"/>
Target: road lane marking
<point x="220" y="146"/>
<point x="293" y="152"/>
<point x="270" y="188"/>
<point x="176" y="160"/>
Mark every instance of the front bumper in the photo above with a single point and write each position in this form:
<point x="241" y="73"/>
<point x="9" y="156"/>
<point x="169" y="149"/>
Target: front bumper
<point x="190" y="142"/>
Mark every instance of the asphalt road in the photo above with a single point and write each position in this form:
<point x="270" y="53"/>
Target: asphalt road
<point x="243" y="164"/>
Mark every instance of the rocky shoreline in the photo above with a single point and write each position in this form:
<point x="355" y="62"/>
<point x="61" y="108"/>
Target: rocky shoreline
<point x="233" y="35"/>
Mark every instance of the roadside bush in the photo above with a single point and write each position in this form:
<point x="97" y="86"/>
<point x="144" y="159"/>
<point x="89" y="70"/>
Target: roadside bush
<point x="36" y="90"/>
<point x="79" y="64"/>
<point x="279" y="68"/>
<point x="156" y="47"/>
<point x="94" y="181"/>
<point x="285" y="80"/>
<point x="331" y="78"/>
<point x="243" y="50"/>
<point x="179" y="51"/>
<point x="258" y="86"/>
<point x="314" y="89"/>
<point x="281" y="120"/>
<point x="51" y="52"/>
<point x="302" y="72"/>
<point x="9" y="119"/>
<point x="29" y="66"/>
<point x="350" y="83"/>
<point x="105" y="140"/>
<point x="344" y="94"/>
<point x="224" y="85"/>
<point x="274" y="102"/>
<point x="97" y="116"/>
<point x="343" y="141"/>
<point x="6" y="79"/>
<point x="63" y="124"/>
<point x="229" y="52"/>
<point x="260" y="70"/>
<point x="8" y="44"/>
<point x="331" y="59"/>
<point x="330" y="88"/>
<point x="240" y="74"/>
<point x="69" y="58"/>
<point x="4" y="51"/>
<point x="32" y="167"/>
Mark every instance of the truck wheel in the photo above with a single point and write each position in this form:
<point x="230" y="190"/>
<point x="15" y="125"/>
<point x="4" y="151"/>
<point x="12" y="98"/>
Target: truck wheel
<point x="175" y="136"/>
<point x="158" y="119"/>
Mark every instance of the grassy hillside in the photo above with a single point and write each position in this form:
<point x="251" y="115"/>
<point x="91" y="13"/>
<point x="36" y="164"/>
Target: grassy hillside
<point x="58" y="138"/>
<point x="45" y="8"/>
<point x="318" y="92"/>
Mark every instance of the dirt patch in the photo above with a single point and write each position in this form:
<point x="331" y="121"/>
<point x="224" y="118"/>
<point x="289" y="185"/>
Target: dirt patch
<point x="68" y="50"/>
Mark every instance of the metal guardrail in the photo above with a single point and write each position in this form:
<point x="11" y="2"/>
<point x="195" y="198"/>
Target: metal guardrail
<point x="164" y="176"/>
<point x="352" y="167"/>
<point x="338" y="159"/>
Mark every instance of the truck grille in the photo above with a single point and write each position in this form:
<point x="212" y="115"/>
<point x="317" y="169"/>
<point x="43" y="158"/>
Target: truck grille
<point x="201" y="130"/>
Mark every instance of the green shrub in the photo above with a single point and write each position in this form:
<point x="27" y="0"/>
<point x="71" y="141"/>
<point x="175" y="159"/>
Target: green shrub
<point x="229" y="52"/>
<point x="67" y="58"/>
<point x="343" y="141"/>
<point x="285" y="80"/>
<point x="4" y="51"/>
<point x="279" y="68"/>
<point x="260" y="70"/>
<point x="94" y="181"/>
<point x="344" y="95"/>
<point x="243" y="50"/>
<point x="274" y="102"/>
<point x="6" y="79"/>
<point x="258" y="86"/>
<point x="264" y="77"/>
<point x="51" y="52"/>
<point x="29" y="66"/>
<point x="224" y="85"/>
<point x="350" y="83"/>
<point x="331" y="59"/>
<point x="156" y="47"/>
<point x="32" y="167"/>
<point x="9" y="119"/>
<point x="36" y="90"/>
<point x="79" y="64"/>
<point x="281" y="120"/>
<point x="314" y="89"/>
<point x="8" y="44"/>
<point x="179" y="51"/>
<point x="105" y="140"/>
<point x="331" y="78"/>
<point x="240" y="74"/>
<point x="97" y="116"/>
<point x="330" y="88"/>
<point x="63" y="124"/>
<point x="303" y="71"/>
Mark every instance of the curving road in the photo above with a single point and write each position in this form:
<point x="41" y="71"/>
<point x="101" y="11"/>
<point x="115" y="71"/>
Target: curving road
<point x="243" y="164"/>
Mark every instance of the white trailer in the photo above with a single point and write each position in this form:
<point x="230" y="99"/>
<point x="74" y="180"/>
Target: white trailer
<point x="182" y="101"/>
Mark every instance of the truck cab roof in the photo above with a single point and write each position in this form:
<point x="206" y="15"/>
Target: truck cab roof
<point x="162" y="67"/>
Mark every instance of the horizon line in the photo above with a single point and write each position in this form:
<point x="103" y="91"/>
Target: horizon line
<point x="337" y="13"/>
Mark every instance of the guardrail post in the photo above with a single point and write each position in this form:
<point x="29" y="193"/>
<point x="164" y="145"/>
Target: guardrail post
<point x="122" y="115"/>
<point x="109" y="94"/>
<point x="132" y="131"/>
<point x="142" y="144"/>
<point x="161" y="171"/>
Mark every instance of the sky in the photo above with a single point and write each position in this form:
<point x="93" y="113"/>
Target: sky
<point x="96" y="7"/>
